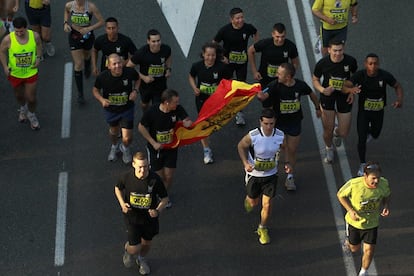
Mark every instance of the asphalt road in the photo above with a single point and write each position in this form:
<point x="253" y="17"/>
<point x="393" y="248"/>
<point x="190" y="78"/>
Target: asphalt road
<point x="207" y="231"/>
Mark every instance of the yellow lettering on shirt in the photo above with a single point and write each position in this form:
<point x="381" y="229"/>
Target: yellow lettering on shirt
<point x="140" y="201"/>
<point x="237" y="57"/>
<point x="164" y="137"/>
<point x="261" y="164"/>
<point x="289" y="107"/>
<point x="374" y="104"/>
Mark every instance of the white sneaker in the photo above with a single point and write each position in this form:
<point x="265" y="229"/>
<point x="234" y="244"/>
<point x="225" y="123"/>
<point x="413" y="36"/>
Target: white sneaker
<point x="127" y="258"/>
<point x="240" y="119"/>
<point x="369" y="138"/>
<point x="329" y="155"/>
<point x="112" y="156"/>
<point x="22" y="114"/>
<point x="290" y="184"/>
<point x="126" y="154"/>
<point x="361" y="169"/>
<point x="144" y="268"/>
<point x="50" y="49"/>
<point x="337" y="140"/>
<point x="208" y="156"/>
<point x="34" y="122"/>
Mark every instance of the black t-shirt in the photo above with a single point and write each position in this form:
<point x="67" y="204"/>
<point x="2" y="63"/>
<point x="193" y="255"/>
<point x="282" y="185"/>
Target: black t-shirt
<point x="272" y="56"/>
<point x="153" y="64"/>
<point x="235" y="41"/>
<point x="117" y="89"/>
<point x="122" y="46"/>
<point x="285" y="100"/>
<point x="161" y="125"/>
<point x="373" y="95"/>
<point x="141" y="194"/>
<point x="334" y="74"/>
<point x="207" y="78"/>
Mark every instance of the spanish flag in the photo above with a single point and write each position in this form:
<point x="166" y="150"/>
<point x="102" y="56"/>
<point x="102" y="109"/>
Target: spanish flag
<point x="229" y="98"/>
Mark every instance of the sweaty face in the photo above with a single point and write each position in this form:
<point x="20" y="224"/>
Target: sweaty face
<point x="115" y="65"/>
<point x="372" y="179"/>
<point x="154" y="43"/>
<point x="111" y="29"/>
<point x="141" y="168"/>
<point x="372" y="65"/>
<point x="237" y="20"/>
<point x="209" y="56"/>
<point x="278" y="38"/>
<point x="20" y="32"/>
<point x="336" y="53"/>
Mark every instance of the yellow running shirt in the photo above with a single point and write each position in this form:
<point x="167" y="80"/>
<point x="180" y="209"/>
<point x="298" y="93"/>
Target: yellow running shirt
<point x="336" y="9"/>
<point x="22" y="57"/>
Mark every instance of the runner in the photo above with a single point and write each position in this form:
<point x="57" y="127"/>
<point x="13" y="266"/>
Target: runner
<point x="335" y="68"/>
<point x="283" y="95"/>
<point x="235" y="37"/>
<point x="365" y="200"/>
<point x="154" y="60"/>
<point x="204" y="77"/>
<point x="258" y="151"/>
<point x="371" y="86"/>
<point x="119" y="88"/>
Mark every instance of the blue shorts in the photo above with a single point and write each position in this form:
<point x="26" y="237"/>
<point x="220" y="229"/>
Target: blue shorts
<point x="339" y="35"/>
<point x="123" y="119"/>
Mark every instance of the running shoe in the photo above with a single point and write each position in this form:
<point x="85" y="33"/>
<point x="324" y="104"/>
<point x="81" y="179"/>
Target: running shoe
<point x="290" y="184"/>
<point x="208" y="156"/>
<point x="113" y="153"/>
<point x="127" y="258"/>
<point x="247" y="206"/>
<point x="169" y="204"/>
<point x="144" y="268"/>
<point x="50" y="49"/>
<point x="126" y="154"/>
<point x="361" y="169"/>
<point x="369" y="138"/>
<point x="263" y="235"/>
<point x="329" y="155"/>
<point x="22" y="114"/>
<point x="34" y="122"/>
<point x="363" y="273"/>
<point x="240" y="119"/>
<point x="337" y="140"/>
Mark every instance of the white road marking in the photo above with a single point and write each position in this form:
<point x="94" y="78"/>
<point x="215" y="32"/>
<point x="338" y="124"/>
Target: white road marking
<point x="182" y="16"/>
<point x="61" y="219"/>
<point x="67" y="100"/>
<point x="342" y="157"/>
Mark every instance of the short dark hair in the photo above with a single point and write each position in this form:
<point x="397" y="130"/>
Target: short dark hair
<point x="152" y="32"/>
<point x="290" y="69"/>
<point x="168" y="94"/>
<point x="267" y="113"/>
<point x="235" y="11"/>
<point x="372" y="167"/>
<point x="336" y="42"/>
<point x="111" y="19"/>
<point x="208" y="45"/>
<point x="372" y="55"/>
<point x="279" y="27"/>
<point x="20" y="22"/>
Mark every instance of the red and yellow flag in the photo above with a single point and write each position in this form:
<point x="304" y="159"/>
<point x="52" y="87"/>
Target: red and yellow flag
<point x="229" y="98"/>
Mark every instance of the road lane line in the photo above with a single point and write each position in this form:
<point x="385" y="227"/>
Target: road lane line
<point x="67" y="100"/>
<point x="61" y="219"/>
<point x="328" y="170"/>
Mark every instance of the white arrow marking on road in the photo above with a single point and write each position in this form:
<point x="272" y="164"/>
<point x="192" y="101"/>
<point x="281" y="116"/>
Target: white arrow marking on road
<point x="182" y="16"/>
